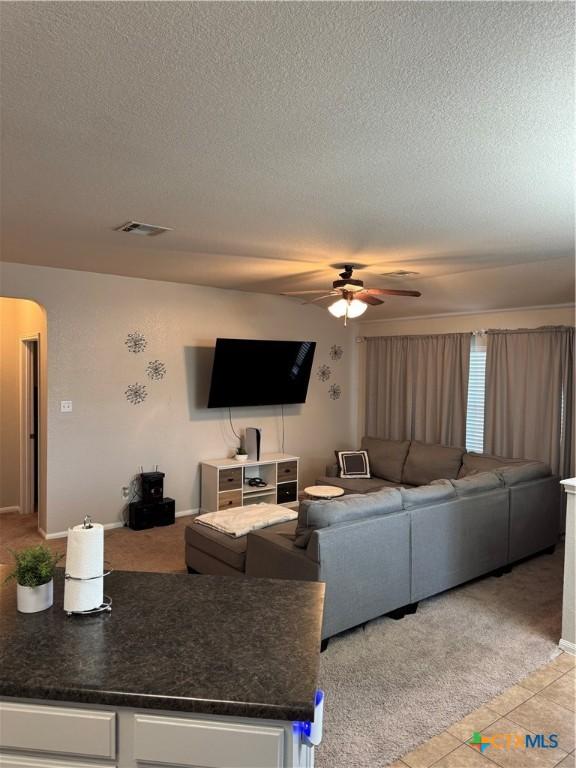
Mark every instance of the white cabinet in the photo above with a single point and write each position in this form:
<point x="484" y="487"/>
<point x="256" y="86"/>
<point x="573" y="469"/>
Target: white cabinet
<point x="226" y="482"/>
<point x="58" y="735"/>
<point x="58" y="730"/>
<point x="206" y="744"/>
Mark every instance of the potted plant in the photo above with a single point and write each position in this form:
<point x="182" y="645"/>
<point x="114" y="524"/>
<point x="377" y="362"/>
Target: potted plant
<point x="34" y="572"/>
<point x="241" y="454"/>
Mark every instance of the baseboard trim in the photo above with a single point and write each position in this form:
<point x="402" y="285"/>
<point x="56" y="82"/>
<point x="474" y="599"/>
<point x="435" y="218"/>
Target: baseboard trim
<point x="567" y="646"/>
<point x="5" y="510"/>
<point x="110" y="526"/>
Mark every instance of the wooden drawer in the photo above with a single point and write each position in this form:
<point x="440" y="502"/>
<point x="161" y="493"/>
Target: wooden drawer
<point x="210" y="744"/>
<point x="229" y="499"/>
<point x="84" y="732"/>
<point x="229" y="479"/>
<point x="287" y="470"/>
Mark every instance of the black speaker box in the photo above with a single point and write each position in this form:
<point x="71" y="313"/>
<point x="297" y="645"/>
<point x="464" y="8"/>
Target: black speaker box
<point x="142" y="515"/>
<point x="165" y="512"/>
<point x="152" y="487"/>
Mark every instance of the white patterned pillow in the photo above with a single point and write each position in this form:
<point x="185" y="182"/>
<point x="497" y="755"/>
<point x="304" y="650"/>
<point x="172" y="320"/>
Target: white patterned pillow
<point x="353" y="463"/>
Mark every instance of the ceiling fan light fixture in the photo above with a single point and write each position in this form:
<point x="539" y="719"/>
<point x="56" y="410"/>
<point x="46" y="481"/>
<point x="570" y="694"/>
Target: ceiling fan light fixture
<point x="356" y="308"/>
<point x="338" y="309"/>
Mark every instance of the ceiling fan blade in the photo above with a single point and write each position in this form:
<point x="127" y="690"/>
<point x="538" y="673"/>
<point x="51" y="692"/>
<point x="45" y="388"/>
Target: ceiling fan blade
<point x="368" y="299"/>
<point x="300" y="293"/>
<point x="326" y="296"/>
<point x="390" y="292"/>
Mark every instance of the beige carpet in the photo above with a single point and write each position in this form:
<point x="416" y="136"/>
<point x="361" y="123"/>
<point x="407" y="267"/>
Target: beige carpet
<point x="395" y="684"/>
<point x="156" y="549"/>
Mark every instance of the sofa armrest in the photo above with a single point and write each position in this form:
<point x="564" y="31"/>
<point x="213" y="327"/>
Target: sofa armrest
<point x="332" y="470"/>
<point x="273" y="556"/>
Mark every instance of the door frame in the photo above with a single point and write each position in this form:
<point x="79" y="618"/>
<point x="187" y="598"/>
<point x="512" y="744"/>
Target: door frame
<point x="26" y="423"/>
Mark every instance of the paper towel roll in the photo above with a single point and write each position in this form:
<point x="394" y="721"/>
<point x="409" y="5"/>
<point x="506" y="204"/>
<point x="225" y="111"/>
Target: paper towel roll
<point x="84" y="560"/>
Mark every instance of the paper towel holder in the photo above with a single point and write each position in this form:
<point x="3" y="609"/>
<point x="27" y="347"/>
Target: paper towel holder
<point x="106" y="604"/>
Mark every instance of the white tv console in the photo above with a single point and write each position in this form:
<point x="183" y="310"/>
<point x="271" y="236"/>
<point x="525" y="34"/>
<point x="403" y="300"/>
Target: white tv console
<point x="225" y="481"/>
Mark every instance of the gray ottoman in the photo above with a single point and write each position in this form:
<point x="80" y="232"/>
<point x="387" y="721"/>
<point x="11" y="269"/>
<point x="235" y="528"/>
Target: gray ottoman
<point x="214" y="553"/>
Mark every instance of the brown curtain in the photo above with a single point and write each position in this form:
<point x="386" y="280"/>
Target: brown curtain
<point x="417" y="387"/>
<point x="529" y="396"/>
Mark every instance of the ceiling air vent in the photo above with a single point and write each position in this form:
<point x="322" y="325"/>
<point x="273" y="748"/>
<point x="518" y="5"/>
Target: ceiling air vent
<point x="400" y="273"/>
<point x="138" y="228"/>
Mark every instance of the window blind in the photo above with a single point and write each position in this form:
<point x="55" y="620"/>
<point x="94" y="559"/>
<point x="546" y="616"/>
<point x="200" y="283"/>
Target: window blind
<point x="476" y="392"/>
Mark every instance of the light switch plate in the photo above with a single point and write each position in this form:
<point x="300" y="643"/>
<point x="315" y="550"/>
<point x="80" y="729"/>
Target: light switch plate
<point x="65" y="406"/>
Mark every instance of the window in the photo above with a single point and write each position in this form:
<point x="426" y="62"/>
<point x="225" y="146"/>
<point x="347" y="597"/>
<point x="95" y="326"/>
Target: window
<point x="476" y="387"/>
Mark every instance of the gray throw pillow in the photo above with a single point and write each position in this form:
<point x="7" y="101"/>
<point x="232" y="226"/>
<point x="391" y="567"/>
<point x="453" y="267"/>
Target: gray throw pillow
<point x="436" y="492"/>
<point x="426" y="462"/>
<point x="313" y="514"/>
<point x="387" y="457"/>
<point x="476" y="482"/>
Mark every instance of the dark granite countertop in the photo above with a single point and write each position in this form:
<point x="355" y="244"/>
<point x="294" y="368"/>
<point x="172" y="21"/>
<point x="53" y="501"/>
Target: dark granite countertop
<point x="226" y="646"/>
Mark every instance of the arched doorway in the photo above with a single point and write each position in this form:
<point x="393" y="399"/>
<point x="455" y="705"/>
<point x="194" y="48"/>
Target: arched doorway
<point x="23" y="401"/>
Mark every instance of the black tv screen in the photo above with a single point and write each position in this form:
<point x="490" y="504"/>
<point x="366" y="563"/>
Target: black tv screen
<point x="248" y="372"/>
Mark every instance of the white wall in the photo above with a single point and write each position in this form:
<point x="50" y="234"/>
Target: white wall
<point x="96" y="449"/>
<point x="526" y="317"/>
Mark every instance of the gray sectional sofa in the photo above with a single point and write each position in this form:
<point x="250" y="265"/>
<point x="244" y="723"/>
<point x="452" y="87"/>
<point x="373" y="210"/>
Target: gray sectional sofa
<point x="439" y="517"/>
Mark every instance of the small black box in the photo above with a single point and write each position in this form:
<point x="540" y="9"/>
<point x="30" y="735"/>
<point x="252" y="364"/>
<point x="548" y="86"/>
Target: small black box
<point x="165" y="512"/>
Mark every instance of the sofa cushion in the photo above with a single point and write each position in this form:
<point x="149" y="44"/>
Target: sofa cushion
<point x="314" y="514"/>
<point x="523" y="472"/>
<point x="367" y="485"/>
<point x="440" y="490"/>
<point x="387" y="457"/>
<point x="226" y="548"/>
<point x="425" y="463"/>
<point x="476" y="483"/>
<point x="484" y="462"/>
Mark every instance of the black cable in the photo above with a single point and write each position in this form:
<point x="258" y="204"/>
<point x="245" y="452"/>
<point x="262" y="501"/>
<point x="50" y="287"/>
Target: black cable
<point x="236" y="435"/>
<point x="283" y="428"/>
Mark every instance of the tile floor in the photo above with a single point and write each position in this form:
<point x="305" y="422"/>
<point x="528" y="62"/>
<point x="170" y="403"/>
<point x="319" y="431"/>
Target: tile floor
<point x="544" y="702"/>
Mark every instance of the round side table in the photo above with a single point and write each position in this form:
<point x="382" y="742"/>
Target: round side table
<point x="323" y="491"/>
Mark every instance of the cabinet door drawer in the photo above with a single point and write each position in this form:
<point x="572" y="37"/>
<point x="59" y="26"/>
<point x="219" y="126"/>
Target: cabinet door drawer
<point x="287" y="470"/>
<point x="62" y="730"/>
<point x="229" y="479"/>
<point x="287" y="492"/>
<point x="229" y="499"/>
<point x="19" y="761"/>
<point x="210" y="744"/>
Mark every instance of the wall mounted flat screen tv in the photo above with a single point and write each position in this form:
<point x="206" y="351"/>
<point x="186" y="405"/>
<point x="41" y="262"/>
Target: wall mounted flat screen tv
<point x="249" y="372"/>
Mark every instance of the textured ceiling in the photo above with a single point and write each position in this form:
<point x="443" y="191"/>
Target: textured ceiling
<point x="279" y="138"/>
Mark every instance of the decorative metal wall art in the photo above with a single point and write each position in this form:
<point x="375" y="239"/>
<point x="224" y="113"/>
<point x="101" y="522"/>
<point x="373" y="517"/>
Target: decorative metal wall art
<point x="136" y="342"/>
<point x="136" y="393"/>
<point x="155" y="370"/>
<point x="335" y="391"/>
<point x="336" y="352"/>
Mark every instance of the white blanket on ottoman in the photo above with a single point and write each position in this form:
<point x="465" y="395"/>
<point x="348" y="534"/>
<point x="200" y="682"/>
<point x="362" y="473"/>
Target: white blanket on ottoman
<point x="238" y="521"/>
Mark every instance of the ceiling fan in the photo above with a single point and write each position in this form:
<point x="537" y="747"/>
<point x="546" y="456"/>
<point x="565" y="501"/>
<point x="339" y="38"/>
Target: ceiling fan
<point x="354" y="298"/>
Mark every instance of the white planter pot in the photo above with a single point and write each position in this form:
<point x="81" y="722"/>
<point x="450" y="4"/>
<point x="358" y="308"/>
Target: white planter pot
<point x="241" y="457"/>
<point x="34" y="599"/>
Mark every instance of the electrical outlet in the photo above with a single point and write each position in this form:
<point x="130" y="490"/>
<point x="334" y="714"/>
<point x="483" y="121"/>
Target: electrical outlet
<point x="125" y="492"/>
<point x="65" y="406"/>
